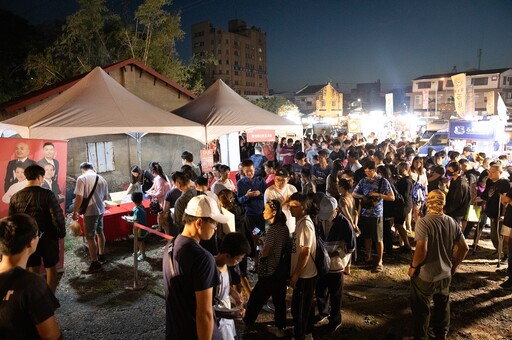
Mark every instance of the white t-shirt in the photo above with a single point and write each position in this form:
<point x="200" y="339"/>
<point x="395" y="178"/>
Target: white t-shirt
<point x="304" y="236"/>
<point x="84" y="185"/>
<point x="281" y="195"/>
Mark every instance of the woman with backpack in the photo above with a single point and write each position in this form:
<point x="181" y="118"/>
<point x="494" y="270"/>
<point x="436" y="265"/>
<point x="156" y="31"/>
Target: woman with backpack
<point x="419" y="179"/>
<point x="272" y="271"/>
<point x="403" y="203"/>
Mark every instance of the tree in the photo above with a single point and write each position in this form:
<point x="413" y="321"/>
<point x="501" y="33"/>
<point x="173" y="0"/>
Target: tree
<point x="95" y="36"/>
<point x="90" y="37"/>
<point x="277" y="104"/>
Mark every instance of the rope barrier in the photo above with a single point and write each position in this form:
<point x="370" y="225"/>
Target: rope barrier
<point x="136" y="226"/>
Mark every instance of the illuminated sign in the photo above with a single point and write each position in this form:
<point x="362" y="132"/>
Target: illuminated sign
<point x="261" y="136"/>
<point x="474" y="130"/>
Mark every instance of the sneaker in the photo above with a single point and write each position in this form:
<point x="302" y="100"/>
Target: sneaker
<point x="277" y="332"/>
<point x="507" y="284"/>
<point x="323" y="322"/>
<point x="102" y="259"/>
<point x="141" y="257"/>
<point x="93" y="268"/>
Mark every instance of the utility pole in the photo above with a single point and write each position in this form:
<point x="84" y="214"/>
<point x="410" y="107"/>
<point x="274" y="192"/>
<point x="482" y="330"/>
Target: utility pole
<point x="479" y="53"/>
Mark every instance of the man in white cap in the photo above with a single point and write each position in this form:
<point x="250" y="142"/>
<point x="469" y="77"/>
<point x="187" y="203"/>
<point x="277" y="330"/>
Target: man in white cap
<point x="190" y="273"/>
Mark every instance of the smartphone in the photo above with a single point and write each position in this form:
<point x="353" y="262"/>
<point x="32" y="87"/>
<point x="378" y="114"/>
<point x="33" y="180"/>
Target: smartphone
<point x="257" y="231"/>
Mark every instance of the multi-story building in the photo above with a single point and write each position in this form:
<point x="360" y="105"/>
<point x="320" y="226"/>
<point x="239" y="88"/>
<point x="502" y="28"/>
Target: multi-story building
<point x="241" y="54"/>
<point x="320" y="100"/>
<point x="480" y="84"/>
<point x="366" y="97"/>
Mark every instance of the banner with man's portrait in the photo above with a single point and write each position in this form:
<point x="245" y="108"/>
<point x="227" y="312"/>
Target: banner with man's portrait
<point x="18" y="153"/>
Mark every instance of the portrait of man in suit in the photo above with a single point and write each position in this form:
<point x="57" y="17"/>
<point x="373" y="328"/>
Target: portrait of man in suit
<point x="49" y="158"/>
<point x="22" y="152"/>
<point x="50" y="184"/>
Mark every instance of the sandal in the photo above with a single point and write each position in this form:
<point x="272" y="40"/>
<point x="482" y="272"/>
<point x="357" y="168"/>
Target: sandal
<point x="379" y="268"/>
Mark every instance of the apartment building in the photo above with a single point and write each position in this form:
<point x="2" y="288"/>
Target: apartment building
<point x="480" y="84"/>
<point x="241" y="53"/>
<point x="320" y="100"/>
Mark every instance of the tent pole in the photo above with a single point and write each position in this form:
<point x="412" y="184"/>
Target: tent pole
<point x="139" y="149"/>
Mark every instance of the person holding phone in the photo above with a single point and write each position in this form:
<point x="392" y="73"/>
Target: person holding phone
<point x="269" y="283"/>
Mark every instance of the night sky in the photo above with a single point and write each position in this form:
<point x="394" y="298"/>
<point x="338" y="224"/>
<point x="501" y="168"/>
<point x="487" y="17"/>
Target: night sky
<point x="345" y="42"/>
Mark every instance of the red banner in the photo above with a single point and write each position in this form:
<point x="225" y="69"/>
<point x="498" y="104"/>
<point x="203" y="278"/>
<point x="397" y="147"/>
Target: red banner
<point x="261" y="136"/>
<point x="206" y="160"/>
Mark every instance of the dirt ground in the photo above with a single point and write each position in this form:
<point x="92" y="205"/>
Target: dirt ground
<point x="375" y="306"/>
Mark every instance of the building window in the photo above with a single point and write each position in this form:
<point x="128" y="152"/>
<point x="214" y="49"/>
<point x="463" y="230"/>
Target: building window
<point x="449" y="83"/>
<point x="504" y="80"/>
<point x="479" y="81"/>
<point x="198" y="34"/>
<point x="424" y="85"/>
<point x="417" y="99"/>
<point x="227" y="61"/>
<point x="101" y="155"/>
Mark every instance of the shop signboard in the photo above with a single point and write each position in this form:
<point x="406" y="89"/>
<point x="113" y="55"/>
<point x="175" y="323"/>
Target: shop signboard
<point x="471" y="130"/>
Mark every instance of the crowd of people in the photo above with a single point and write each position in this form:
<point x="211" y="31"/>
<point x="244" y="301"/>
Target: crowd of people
<point x="336" y="195"/>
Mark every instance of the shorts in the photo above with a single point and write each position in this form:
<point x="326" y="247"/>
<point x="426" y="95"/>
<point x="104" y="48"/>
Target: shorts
<point x="506" y="231"/>
<point x="93" y="225"/>
<point x="371" y="227"/>
<point x="141" y="234"/>
<point x="48" y="250"/>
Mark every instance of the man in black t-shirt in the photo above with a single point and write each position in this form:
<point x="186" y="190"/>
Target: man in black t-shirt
<point x="336" y="152"/>
<point x="27" y="304"/>
<point x="493" y="187"/>
<point x="437" y="172"/>
<point x="190" y="273"/>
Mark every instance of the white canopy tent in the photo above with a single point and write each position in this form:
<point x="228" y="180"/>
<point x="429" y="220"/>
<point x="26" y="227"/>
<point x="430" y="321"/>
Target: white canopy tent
<point x="97" y="105"/>
<point x="222" y="111"/>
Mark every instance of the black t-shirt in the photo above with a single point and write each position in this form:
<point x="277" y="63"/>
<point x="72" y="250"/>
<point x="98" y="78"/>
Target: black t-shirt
<point x="507" y="220"/>
<point x="194" y="271"/>
<point x="28" y="302"/>
<point x="438" y="169"/>
<point x="492" y="197"/>
<point x="334" y="155"/>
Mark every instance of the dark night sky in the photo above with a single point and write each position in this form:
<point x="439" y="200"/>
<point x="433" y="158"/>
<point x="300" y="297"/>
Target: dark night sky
<point x="346" y="42"/>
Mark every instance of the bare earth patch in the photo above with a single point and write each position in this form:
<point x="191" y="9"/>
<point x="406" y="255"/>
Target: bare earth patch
<point x="375" y="306"/>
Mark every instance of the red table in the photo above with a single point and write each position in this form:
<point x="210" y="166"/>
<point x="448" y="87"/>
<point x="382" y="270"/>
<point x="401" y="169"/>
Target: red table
<point x="114" y="227"/>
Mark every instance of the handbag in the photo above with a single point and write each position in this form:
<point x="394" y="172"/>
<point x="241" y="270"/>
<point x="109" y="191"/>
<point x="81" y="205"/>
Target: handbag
<point x="86" y="200"/>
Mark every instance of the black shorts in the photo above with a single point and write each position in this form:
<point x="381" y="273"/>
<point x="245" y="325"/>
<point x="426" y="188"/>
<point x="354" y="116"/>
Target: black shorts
<point x="48" y="250"/>
<point x="371" y="228"/>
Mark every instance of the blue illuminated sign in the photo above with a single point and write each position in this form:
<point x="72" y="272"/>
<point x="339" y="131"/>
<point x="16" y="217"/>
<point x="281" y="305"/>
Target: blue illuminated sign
<point x="473" y="130"/>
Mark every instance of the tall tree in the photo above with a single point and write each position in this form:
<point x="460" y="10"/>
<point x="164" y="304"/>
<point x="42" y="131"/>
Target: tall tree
<point x="90" y="37"/>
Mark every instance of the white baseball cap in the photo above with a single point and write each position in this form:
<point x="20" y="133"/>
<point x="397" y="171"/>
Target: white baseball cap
<point x="326" y="208"/>
<point x="204" y="206"/>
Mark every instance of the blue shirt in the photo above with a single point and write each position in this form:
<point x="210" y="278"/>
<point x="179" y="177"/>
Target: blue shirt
<point x="252" y="205"/>
<point x="366" y="186"/>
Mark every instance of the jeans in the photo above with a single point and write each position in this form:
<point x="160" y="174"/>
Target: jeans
<point x="303" y="310"/>
<point x="421" y="294"/>
<point x="265" y="287"/>
<point x="329" y="291"/>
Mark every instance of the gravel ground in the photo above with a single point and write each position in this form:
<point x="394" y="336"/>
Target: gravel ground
<point x="375" y="306"/>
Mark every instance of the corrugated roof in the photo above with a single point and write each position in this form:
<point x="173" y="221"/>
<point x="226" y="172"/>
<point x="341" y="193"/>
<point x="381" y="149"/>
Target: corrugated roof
<point x="48" y="91"/>
<point x="469" y="73"/>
